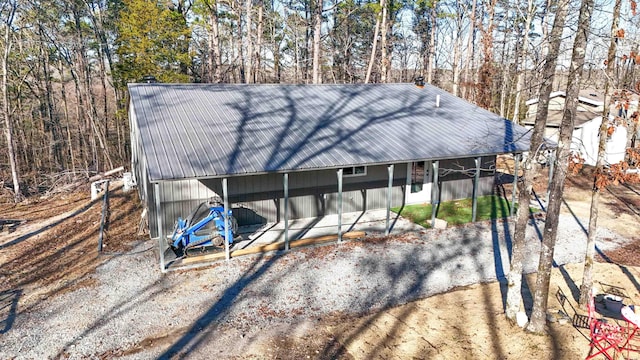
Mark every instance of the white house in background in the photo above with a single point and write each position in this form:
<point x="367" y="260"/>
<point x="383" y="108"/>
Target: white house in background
<point x="586" y="127"/>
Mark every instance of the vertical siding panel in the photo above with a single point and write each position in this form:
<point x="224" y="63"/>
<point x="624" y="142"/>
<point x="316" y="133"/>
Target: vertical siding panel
<point x="152" y="211"/>
<point x="258" y="198"/>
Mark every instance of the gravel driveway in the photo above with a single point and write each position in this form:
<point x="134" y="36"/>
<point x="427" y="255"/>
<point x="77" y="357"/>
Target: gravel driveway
<point x="134" y="311"/>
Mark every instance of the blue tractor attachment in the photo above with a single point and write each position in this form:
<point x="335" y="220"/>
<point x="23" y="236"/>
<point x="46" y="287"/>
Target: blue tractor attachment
<point x="203" y="230"/>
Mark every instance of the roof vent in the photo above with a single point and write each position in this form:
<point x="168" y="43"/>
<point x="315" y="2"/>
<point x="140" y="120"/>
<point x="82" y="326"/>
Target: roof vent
<point x="149" y="79"/>
<point x="593" y="94"/>
<point x="419" y="81"/>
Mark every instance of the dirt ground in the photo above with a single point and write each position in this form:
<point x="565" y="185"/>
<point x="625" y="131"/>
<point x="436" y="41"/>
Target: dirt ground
<point x="55" y="251"/>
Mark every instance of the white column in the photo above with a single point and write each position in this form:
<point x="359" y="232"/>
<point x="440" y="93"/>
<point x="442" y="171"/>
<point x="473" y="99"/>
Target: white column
<point x="227" y="234"/>
<point x="476" y="183"/>
<point x="339" y="173"/>
<point x="389" y="195"/>
<point x="161" y="239"/>
<point x="435" y="192"/>
<point x="286" y="211"/>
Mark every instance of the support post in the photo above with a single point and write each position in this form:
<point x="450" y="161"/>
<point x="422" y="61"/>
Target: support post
<point x="476" y="183"/>
<point x="105" y="206"/>
<point x="227" y="235"/>
<point x="286" y="211"/>
<point x="339" y="173"/>
<point x="435" y="192"/>
<point x="516" y="160"/>
<point x="161" y="239"/>
<point x="389" y="195"/>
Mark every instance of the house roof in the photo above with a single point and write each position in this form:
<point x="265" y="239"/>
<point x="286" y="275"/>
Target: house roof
<point x="217" y="130"/>
<point x="587" y="96"/>
<point x="554" y="118"/>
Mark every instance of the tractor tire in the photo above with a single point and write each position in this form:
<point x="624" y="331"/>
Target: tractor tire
<point x="234" y="226"/>
<point x="218" y="241"/>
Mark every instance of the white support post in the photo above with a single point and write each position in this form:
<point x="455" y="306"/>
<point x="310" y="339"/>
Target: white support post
<point x="286" y="211"/>
<point x="476" y="183"/>
<point x="339" y="173"/>
<point x="389" y="195"/>
<point x="227" y="234"/>
<point x="435" y="192"/>
<point x="161" y="239"/>
<point x="514" y="191"/>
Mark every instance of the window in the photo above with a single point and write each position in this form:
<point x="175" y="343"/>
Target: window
<point x="417" y="176"/>
<point x="354" y="171"/>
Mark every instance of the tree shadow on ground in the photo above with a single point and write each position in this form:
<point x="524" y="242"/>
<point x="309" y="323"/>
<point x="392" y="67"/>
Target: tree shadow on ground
<point x="206" y="324"/>
<point x="59" y="257"/>
<point x="574" y="289"/>
<point x="38" y="231"/>
<point x="417" y="274"/>
<point x="8" y="306"/>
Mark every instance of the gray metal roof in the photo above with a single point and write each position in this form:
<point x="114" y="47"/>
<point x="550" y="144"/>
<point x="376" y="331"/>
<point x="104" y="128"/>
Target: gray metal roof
<point x="214" y="130"/>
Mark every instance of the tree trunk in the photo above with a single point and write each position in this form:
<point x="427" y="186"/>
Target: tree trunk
<point x="385" y="62"/>
<point x="248" y="70"/>
<point x="469" y="63"/>
<point x="239" y="58"/>
<point x="432" y="43"/>
<point x="374" y="46"/>
<point x="587" y="275"/>
<point x="215" y="59"/>
<point x="8" y="127"/>
<point x="541" y="290"/>
<point x="485" y="91"/>
<point x="258" y="52"/>
<point x="317" y="27"/>
<point x="524" y="51"/>
<point x="505" y="78"/>
<point x="51" y="129"/>
<point x="83" y="144"/>
<point x="455" y="67"/>
<point x="90" y="110"/>
<point x="530" y="167"/>
<point x="65" y="104"/>
<point x="296" y="47"/>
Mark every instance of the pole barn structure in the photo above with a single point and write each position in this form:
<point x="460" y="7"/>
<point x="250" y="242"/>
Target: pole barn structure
<point x="275" y="153"/>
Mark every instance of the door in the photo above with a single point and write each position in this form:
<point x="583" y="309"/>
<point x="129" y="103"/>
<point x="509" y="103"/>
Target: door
<point x="418" y="182"/>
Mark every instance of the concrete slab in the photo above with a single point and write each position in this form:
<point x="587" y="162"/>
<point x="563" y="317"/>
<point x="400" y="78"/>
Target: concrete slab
<point x="373" y="221"/>
<point x="369" y="222"/>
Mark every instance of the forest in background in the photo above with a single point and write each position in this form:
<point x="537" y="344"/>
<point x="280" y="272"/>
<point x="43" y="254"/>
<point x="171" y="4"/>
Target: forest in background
<point x="65" y="64"/>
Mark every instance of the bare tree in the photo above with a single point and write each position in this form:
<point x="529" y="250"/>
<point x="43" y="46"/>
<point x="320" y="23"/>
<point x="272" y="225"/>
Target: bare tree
<point x="587" y="275"/>
<point x="214" y="58"/>
<point x="258" y="50"/>
<point x="457" y="51"/>
<point x="470" y="50"/>
<point x="8" y="12"/>
<point x="317" y="28"/>
<point x="543" y="278"/>
<point x="530" y="167"/>
<point x="485" y="90"/>
<point x="374" y="46"/>
<point x="432" y="43"/>
<point x="524" y="50"/>
<point x="385" y="63"/>
<point x="248" y="69"/>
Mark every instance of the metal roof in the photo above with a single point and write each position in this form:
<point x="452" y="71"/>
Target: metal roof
<point x="216" y="130"/>
<point x="554" y="118"/>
